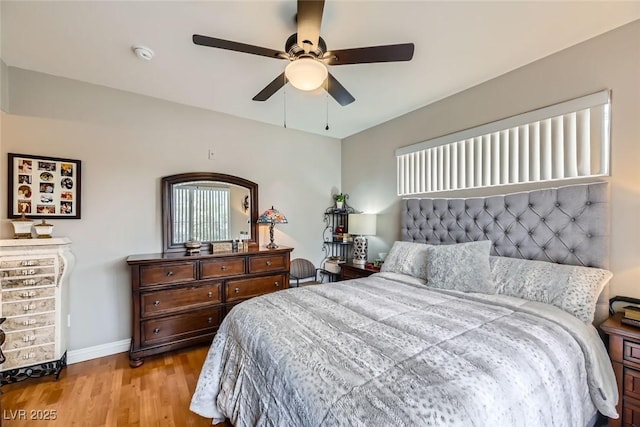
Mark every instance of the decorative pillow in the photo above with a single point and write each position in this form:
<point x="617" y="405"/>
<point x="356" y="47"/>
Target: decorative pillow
<point x="575" y="289"/>
<point x="460" y="267"/>
<point x="407" y="258"/>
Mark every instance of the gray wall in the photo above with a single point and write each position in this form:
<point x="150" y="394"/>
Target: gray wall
<point x="611" y="61"/>
<point x="126" y="143"/>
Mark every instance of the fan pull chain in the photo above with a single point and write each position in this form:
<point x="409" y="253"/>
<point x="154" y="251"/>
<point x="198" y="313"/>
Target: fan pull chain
<point x="284" y="91"/>
<point x="327" y="102"/>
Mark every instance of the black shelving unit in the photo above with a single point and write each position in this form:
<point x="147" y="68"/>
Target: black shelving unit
<point x="336" y="223"/>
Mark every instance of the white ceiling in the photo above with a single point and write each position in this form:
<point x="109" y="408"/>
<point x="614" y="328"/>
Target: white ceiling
<point x="458" y="45"/>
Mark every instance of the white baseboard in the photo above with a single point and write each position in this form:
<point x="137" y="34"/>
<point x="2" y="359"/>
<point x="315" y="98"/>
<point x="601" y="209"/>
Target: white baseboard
<point x="75" y="356"/>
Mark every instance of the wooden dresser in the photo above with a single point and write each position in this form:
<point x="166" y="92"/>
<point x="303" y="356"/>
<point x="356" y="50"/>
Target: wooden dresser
<point x="624" y="351"/>
<point x="180" y="300"/>
<point x="34" y="300"/>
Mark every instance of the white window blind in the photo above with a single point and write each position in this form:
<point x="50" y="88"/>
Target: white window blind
<point x="201" y="213"/>
<point x="562" y="141"/>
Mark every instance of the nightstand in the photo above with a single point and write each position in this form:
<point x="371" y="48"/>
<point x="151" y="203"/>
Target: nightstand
<point x="624" y="351"/>
<point x="355" y="271"/>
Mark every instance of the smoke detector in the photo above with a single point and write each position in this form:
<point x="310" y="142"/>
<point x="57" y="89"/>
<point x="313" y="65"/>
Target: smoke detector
<point x="142" y="52"/>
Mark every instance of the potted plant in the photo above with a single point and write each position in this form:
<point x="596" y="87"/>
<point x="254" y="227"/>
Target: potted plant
<point x="339" y="198"/>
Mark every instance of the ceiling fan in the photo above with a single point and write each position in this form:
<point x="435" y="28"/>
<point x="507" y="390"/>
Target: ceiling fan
<point x="309" y="57"/>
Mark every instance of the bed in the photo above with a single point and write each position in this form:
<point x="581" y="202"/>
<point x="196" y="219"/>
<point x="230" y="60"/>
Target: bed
<point x="482" y="315"/>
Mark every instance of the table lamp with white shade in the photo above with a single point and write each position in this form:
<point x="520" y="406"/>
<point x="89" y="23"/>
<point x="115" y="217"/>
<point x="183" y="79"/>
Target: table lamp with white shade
<point x="361" y="225"/>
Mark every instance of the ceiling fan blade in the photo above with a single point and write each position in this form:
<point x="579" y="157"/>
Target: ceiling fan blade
<point x="363" y="55"/>
<point x="338" y="92"/>
<point x="238" y="47"/>
<point x="270" y="89"/>
<point x="309" y="21"/>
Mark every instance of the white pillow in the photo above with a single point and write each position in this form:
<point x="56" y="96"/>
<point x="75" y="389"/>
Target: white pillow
<point x="575" y="289"/>
<point x="460" y="267"/>
<point x="407" y="258"/>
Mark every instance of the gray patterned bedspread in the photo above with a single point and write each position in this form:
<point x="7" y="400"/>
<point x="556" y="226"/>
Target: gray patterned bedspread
<point x="385" y="352"/>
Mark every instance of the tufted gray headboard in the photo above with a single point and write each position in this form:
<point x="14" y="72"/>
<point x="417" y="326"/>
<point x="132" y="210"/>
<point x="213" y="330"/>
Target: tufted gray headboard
<point x="566" y="225"/>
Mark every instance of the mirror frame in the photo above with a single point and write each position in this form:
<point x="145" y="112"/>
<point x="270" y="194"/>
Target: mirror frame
<point x="167" y="202"/>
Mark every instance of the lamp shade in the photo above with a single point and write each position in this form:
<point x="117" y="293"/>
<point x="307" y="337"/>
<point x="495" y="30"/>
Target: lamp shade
<point x="272" y="216"/>
<point x="362" y="224"/>
<point x="306" y="73"/>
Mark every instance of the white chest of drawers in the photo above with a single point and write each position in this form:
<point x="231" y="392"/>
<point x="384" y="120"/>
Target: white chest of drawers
<point x="34" y="278"/>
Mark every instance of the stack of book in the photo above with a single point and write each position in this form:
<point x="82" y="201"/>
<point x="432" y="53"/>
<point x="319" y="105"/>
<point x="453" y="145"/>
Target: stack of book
<point x="631" y="315"/>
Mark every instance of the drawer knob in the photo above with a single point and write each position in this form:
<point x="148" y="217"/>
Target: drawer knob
<point x="223" y="267"/>
<point x="210" y="294"/>
<point x="236" y="290"/>
<point x="169" y="273"/>
<point x="210" y="320"/>
<point x="268" y="263"/>
<point x="156" y="331"/>
<point x="277" y="284"/>
<point x="156" y="303"/>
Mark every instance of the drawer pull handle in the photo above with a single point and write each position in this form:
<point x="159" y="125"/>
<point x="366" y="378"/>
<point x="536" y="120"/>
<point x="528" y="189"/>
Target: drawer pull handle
<point x="156" y="331"/>
<point x="223" y="267"/>
<point x="236" y="290"/>
<point x="268" y="263"/>
<point x="29" y="307"/>
<point x="28" y="356"/>
<point x="210" y="294"/>
<point x="210" y="320"/>
<point x="29" y="322"/>
<point x="156" y="303"/>
<point x="30" y="282"/>
<point x="28" y="338"/>
<point x="29" y="272"/>
<point x="30" y="294"/>
<point x="277" y="284"/>
<point x="169" y="273"/>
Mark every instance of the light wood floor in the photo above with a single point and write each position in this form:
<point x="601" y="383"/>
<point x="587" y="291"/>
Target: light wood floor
<point x="107" y="392"/>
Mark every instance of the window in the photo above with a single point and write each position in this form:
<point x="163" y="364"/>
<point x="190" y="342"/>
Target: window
<point x="562" y="141"/>
<point x="201" y="213"/>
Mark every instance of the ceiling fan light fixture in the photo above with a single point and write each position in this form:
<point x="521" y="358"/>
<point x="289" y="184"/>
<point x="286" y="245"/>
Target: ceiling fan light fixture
<point x="306" y="73"/>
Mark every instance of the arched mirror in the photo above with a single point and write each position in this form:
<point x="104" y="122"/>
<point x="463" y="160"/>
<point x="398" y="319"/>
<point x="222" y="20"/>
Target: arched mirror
<point x="207" y="207"/>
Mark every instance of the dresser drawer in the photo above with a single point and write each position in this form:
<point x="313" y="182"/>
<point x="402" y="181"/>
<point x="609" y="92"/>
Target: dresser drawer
<point x="222" y="267"/>
<point x="246" y="288"/>
<point x="162" y="302"/>
<point x="630" y="414"/>
<point x="35" y="270"/>
<point x="260" y="264"/>
<point x="180" y="326"/>
<point x="13" y="282"/>
<point x="10" y="309"/>
<point x="29" y="337"/>
<point x="27" y="294"/>
<point x="631" y="351"/>
<point x="31" y="321"/>
<point x="167" y="273"/>
<point x="28" y="356"/>
<point x="9" y="263"/>
<point x="631" y="383"/>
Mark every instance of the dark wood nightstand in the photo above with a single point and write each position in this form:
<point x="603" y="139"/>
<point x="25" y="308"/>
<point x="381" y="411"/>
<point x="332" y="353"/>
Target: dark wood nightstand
<point x="355" y="271"/>
<point x="624" y="351"/>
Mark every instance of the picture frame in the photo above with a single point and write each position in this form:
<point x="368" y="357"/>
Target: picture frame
<point x="44" y="187"/>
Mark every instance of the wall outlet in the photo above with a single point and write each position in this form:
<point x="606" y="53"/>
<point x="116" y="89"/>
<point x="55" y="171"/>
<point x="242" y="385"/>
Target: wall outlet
<point x="210" y="155"/>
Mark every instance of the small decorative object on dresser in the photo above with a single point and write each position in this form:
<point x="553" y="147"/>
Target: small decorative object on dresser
<point x="43" y="230"/>
<point x="34" y="284"/>
<point x="624" y="351"/>
<point x="22" y="227"/>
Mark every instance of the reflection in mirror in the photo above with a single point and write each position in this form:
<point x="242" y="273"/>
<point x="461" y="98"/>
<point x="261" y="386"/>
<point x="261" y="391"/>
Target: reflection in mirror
<point x="207" y="207"/>
<point x="208" y="211"/>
